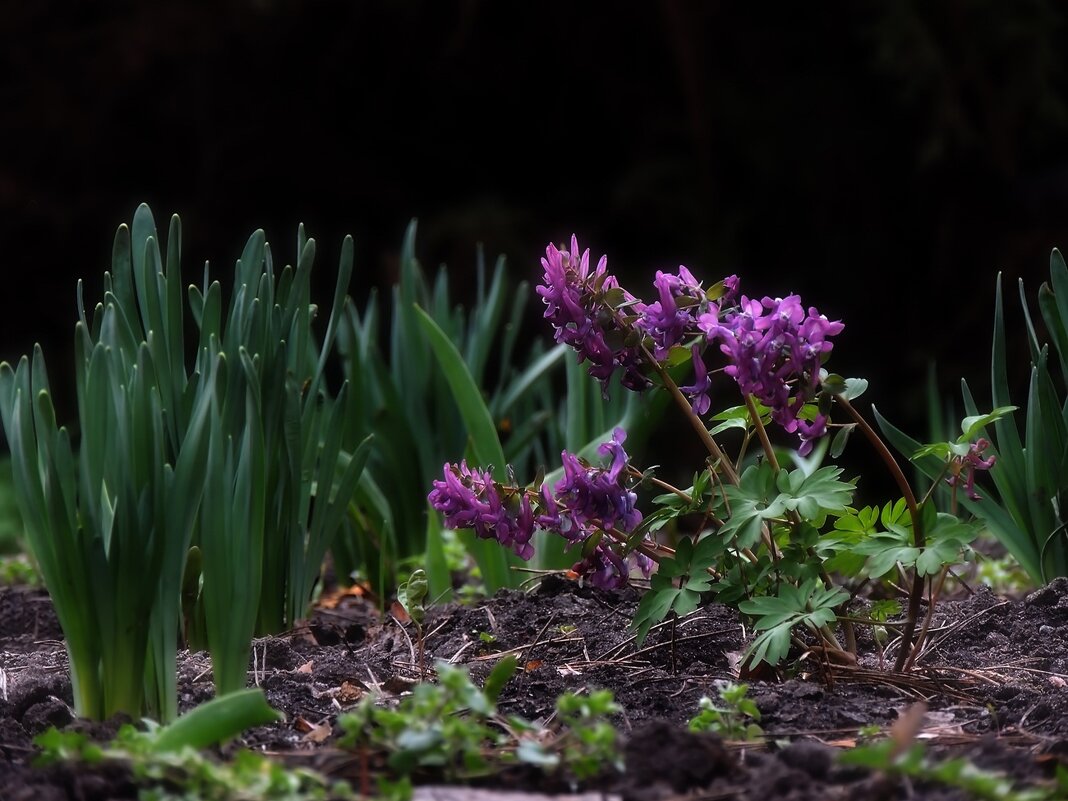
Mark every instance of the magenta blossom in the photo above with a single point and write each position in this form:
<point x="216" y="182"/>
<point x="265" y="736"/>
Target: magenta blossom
<point x="775" y="351"/>
<point x="665" y="321"/>
<point x="969" y="464"/>
<point x="698" y="391"/>
<point x="471" y="499"/>
<point x="598" y="498"/>
<point x="577" y="307"/>
<point x="587" y="501"/>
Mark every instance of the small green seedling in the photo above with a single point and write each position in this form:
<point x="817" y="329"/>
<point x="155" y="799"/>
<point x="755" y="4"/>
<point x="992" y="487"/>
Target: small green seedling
<point x="734" y="719"/>
<point x="453" y="729"/>
<point x="411" y="595"/>
<point x="589" y="745"/>
<point x="167" y="764"/>
<point x="912" y="762"/>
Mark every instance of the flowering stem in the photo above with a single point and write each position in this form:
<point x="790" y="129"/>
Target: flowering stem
<point x="893" y="466"/>
<point x="795" y="518"/>
<point x="935" y="592"/>
<point x="655" y="553"/>
<point x="695" y="421"/>
<point x="918" y="540"/>
<point x="762" y="433"/>
<point x="656" y="482"/>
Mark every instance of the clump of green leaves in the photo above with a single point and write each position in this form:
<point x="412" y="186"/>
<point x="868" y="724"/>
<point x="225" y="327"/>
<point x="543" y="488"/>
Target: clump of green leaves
<point x="235" y="453"/>
<point x="168" y="763"/>
<point x="912" y="762"/>
<point x="452" y="728"/>
<point x="735" y="718"/>
<point x="589" y="745"/>
<point x="18" y="570"/>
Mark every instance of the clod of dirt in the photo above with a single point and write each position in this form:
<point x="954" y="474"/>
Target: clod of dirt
<point x="662" y="755"/>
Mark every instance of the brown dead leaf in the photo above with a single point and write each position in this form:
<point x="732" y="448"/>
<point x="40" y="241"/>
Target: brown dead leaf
<point x="848" y="742"/>
<point x="350" y="692"/>
<point x="306" y="667"/>
<point x="532" y="665"/>
<point x="400" y="613"/>
<point x="904" y="730"/>
<point x="331" y="600"/>
<point x="319" y="733"/>
<point x="313" y="732"/>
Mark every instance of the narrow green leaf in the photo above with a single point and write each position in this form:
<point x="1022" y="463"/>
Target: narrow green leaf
<point x="216" y="721"/>
<point x="479" y="422"/>
<point x="498" y="677"/>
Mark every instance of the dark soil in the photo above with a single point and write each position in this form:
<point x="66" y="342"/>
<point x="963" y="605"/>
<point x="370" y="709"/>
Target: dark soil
<point x="994" y="684"/>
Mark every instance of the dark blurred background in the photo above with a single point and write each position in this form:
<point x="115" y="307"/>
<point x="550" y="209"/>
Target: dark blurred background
<point x="885" y="160"/>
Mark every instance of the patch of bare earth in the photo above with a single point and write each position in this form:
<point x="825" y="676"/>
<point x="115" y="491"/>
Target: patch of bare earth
<point x="994" y="682"/>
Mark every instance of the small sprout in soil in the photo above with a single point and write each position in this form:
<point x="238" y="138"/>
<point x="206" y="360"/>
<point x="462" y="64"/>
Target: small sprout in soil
<point x="411" y="595"/>
<point x="589" y="742"/>
<point x="18" y="570"/>
<point x="734" y="719"/>
<point x="912" y="762"/>
<point x="166" y="763"/>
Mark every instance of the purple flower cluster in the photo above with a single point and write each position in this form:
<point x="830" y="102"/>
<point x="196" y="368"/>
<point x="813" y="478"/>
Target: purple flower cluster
<point x="471" y="499"/>
<point x="576" y="304"/>
<point x="665" y="321"/>
<point x="775" y="350"/>
<point x="608" y="326"/>
<point x="774" y="347"/>
<point x="587" y="501"/>
<point x="969" y="464"/>
<point x="596" y="499"/>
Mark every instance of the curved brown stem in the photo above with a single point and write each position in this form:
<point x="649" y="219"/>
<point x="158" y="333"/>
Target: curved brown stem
<point x="918" y="539"/>
<point x="699" y="427"/>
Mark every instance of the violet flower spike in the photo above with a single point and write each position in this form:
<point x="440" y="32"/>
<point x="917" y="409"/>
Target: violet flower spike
<point x="575" y="306"/>
<point x="698" y="391"/>
<point x="663" y="320"/>
<point x="969" y="464"/>
<point x="471" y="499"/>
<point x="775" y="351"/>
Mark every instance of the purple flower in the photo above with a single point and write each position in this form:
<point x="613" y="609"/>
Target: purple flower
<point x="698" y="391"/>
<point x="576" y="304"/>
<point x="775" y="351"/>
<point x="471" y="499"/>
<point x="969" y="464"/>
<point x="810" y="432"/>
<point x="604" y="568"/>
<point x="598" y="498"/>
<point x="587" y="501"/>
<point x="730" y="284"/>
<point x="664" y="321"/>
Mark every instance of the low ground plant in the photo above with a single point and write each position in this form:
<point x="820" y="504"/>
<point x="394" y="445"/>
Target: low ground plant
<point x="902" y="757"/>
<point x="733" y="717"/>
<point x="168" y="763"/>
<point x="453" y="729"/>
<point x="781" y="541"/>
